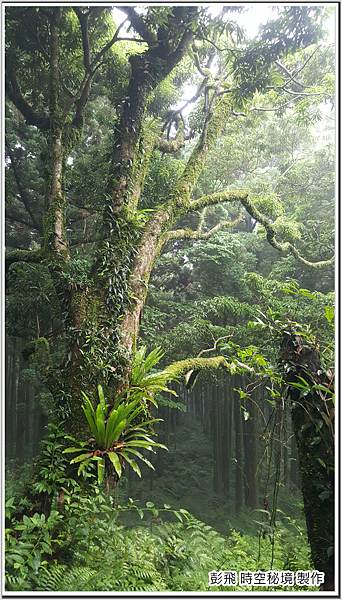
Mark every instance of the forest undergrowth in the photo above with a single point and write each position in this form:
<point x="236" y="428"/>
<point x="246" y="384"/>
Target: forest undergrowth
<point x="84" y="544"/>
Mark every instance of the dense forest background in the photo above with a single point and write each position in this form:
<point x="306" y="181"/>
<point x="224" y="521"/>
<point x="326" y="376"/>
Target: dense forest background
<point x="220" y="150"/>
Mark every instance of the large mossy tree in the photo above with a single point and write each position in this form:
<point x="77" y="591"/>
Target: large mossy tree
<point x="63" y="64"/>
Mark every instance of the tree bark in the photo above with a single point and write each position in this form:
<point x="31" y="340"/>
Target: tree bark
<point x="312" y="416"/>
<point x="216" y="440"/>
<point x="238" y="455"/>
<point x="226" y="438"/>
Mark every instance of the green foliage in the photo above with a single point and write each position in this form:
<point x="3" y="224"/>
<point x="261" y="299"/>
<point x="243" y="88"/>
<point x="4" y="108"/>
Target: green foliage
<point x="25" y="555"/>
<point x="114" y="439"/>
<point x="168" y="557"/>
<point x="119" y="432"/>
<point x="53" y="464"/>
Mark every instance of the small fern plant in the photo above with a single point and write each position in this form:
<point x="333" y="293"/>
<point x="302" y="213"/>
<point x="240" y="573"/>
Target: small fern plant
<point x="118" y="434"/>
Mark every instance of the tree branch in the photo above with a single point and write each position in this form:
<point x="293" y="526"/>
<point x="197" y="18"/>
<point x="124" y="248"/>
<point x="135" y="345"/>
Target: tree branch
<point x="22" y="192"/>
<point x="215" y="344"/>
<point x="15" y="95"/>
<point x="276" y="107"/>
<point x="196" y="235"/>
<point x="305" y="93"/>
<point x="271" y="236"/>
<point x="138" y="24"/>
<point x="278" y="63"/>
<point x="17" y="220"/>
<point x="193" y="366"/>
<point x="28" y="256"/>
<point x="218" y="198"/>
<point x="82" y="93"/>
<point x="83" y="19"/>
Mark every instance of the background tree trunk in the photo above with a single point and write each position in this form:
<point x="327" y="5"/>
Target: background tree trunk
<point x="238" y="452"/>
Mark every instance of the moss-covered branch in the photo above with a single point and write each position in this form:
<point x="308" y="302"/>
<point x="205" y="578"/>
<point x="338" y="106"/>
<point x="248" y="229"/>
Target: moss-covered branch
<point x="213" y="124"/>
<point x="198" y="234"/>
<point x="191" y="367"/>
<point x="169" y="146"/>
<point x="218" y="198"/>
<point x="28" y="256"/>
<point x="271" y="236"/>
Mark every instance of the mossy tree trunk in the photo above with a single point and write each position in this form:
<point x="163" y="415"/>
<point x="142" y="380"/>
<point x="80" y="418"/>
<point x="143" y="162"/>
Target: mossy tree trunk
<point x="312" y="416"/>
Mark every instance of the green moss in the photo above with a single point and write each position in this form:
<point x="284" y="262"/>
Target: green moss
<point x="57" y="207"/>
<point x="38" y="350"/>
<point x="199" y="364"/>
<point x="72" y="134"/>
<point x="196" y="163"/>
<point x="42" y="351"/>
<point x="32" y="256"/>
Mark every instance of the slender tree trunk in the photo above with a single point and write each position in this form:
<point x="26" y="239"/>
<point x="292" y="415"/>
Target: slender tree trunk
<point x="216" y="440"/>
<point x="238" y="454"/>
<point x="11" y="398"/>
<point x="226" y="439"/>
<point x="252" y="444"/>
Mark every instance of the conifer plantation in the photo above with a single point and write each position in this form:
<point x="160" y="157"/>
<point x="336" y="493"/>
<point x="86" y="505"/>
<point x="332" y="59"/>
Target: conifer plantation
<point x="169" y="287"/>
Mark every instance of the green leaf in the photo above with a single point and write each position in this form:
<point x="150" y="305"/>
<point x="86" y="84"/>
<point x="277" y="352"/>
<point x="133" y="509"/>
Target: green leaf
<point x="110" y="425"/>
<point x="100" y="424"/>
<point x="92" y="423"/>
<point x="100" y="470"/>
<point x="117" y="432"/>
<point x="322" y="388"/>
<point x="79" y="458"/>
<point x="116" y="462"/>
<point x="132" y="462"/>
<point x="305" y="426"/>
<point x="101" y="398"/>
<point x="72" y="450"/>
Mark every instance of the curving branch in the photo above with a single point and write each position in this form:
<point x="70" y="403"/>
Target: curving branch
<point x="198" y="234"/>
<point x="292" y="77"/>
<point x="224" y="337"/>
<point x="218" y="198"/>
<point x="240" y="196"/>
<point x="271" y="236"/>
<point x="28" y="256"/>
<point x="14" y="93"/>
